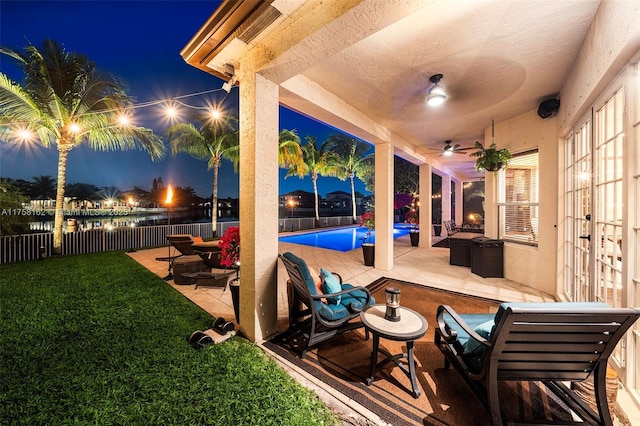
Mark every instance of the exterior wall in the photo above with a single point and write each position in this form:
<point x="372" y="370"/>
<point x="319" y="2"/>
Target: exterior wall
<point x="531" y="266"/>
<point x="612" y="39"/>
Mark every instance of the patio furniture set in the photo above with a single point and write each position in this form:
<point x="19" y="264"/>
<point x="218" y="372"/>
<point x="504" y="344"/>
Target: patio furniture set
<point x="198" y="262"/>
<point x="549" y="343"/>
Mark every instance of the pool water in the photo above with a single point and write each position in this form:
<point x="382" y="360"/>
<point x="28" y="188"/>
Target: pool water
<point x="343" y="239"/>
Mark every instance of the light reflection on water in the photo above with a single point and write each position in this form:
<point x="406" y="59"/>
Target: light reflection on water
<point x="87" y="222"/>
<point x="344" y="239"/>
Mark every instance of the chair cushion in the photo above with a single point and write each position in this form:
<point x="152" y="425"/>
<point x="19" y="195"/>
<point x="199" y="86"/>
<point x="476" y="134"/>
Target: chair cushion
<point x="304" y="270"/>
<point x="473" y="347"/>
<point x="330" y="285"/>
<point x="355" y="301"/>
<point x="575" y="306"/>
<point x="331" y="312"/>
<point x="318" y="280"/>
<point x="472" y="320"/>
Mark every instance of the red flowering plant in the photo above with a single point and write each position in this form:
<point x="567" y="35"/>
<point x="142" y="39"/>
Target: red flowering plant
<point x="368" y="220"/>
<point x="230" y="247"/>
<point x="413" y="218"/>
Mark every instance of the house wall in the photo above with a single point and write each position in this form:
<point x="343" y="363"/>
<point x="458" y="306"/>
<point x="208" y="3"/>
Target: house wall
<point x="531" y="266"/>
<point x="611" y="41"/>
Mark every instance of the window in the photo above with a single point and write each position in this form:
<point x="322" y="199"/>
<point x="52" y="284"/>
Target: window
<point x="518" y="199"/>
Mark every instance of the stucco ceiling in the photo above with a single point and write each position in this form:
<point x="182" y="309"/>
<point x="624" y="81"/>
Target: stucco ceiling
<point x="499" y="58"/>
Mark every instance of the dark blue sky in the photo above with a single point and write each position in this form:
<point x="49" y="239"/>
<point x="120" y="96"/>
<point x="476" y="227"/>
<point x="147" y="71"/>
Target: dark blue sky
<point x="139" y="41"/>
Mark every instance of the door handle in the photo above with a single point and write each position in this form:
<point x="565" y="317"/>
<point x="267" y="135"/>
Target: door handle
<point x="585" y="237"/>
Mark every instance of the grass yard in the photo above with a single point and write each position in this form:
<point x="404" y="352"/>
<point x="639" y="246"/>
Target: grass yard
<point x="98" y="339"/>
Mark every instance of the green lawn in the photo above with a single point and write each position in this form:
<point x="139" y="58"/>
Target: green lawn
<point x="98" y="339"/>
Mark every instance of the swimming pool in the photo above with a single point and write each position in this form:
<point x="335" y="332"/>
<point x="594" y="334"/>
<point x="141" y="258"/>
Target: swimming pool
<point x="343" y="239"/>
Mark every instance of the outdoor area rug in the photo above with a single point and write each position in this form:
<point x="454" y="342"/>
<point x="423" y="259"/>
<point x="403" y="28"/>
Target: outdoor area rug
<point x="343" y="363"/>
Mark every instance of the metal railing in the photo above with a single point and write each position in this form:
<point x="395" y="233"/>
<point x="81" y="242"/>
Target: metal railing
<point x="17" y="248"/>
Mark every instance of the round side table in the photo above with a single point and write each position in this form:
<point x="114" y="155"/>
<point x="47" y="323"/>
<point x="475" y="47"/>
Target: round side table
<point x="411" y="327"/>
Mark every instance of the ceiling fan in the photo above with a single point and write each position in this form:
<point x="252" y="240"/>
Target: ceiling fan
<point x="450" y="149"/>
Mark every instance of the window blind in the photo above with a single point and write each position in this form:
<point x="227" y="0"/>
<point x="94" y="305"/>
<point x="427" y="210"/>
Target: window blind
<point x="518" y="199"/>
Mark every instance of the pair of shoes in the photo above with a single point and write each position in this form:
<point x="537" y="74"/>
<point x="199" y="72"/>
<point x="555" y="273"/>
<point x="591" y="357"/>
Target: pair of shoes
<point x="199" y="339"/>
<point x="222" y="326"/>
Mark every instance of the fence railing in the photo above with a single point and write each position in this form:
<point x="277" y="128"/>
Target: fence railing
<point x="17" y="248"/>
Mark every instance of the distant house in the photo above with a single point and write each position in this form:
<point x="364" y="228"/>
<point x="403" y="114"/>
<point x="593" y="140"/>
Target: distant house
<point x="300" y="199"/>
<point x="338" y="199"/>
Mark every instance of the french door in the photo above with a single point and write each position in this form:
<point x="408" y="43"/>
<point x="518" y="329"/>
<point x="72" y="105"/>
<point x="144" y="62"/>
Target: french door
<point x="578" y="208"/>
<point x="595" y="205"/>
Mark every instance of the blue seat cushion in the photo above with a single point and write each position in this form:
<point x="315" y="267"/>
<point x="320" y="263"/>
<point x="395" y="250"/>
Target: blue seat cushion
<point x="356" y="298"/>
<point x="473" y="347"/>
<point x="349" y="304"/>
<point x="331" y="312"/>
<point x="330" y="285"/>
<point x="304" y="270"/>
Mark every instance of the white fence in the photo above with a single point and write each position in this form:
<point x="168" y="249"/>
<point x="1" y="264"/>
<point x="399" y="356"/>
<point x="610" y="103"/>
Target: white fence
<point x="16" y="248"/>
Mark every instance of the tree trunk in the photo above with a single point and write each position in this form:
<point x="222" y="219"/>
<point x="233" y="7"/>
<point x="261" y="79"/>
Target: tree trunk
<point x="353" y="197"/>
<point x="63" y="152"/>
<point x="214" y="202"/>
<point x="315" y="192"/>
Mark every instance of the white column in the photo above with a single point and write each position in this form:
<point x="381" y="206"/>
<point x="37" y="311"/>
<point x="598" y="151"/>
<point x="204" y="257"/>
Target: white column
<point x="258" y="205"/>
<point x="426" y="230"/>
<point x="446" y="197"/>
<point x="459" y="216"/>
<point x="384" y="197"/>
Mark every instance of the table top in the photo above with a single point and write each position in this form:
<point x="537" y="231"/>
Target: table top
<point x="411" y="326"/>
<point x="464" y="235"/>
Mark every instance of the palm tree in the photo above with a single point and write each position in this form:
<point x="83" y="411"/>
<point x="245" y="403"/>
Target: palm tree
<point x="42" y="188"/>
<point x="316" y="163"/>
<point x="66" y="102"/>
<point x="213" y="141"/>
<point x="352" y="160"/>
<point x="289" y="150"/>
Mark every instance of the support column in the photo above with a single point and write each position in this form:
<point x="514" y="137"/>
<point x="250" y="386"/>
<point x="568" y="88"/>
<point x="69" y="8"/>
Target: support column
<point x="426" y="228"/>
<point x="459" y="201"/>
<point x="446" y="197"/>
<point x="258" y="205"/>
<point x="384" y="197"/>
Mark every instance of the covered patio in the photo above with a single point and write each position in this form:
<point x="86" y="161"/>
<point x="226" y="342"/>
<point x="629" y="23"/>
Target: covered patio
<point x="366" y="67"/>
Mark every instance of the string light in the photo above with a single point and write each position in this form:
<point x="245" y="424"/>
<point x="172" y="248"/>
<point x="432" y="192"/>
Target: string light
<point x="171" y="110"/>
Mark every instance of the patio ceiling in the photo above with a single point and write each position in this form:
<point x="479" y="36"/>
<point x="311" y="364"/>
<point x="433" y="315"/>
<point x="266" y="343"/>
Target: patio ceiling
<point x="373" y="59"/>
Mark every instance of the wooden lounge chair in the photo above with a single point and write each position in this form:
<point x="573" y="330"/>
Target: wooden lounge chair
<point x="311" y="314"/>
<point x="546" y="342"/>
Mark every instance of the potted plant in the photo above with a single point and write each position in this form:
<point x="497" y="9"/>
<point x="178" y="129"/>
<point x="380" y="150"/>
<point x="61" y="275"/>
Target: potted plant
<point x="437" y="225"/>
<point x="412" y="217"/>
<point x="368" y="220"/>
<point x="490" y="159"/>
<point x="230" y="257"/>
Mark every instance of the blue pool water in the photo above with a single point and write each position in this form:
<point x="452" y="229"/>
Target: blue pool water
<point x="344" y="239"/>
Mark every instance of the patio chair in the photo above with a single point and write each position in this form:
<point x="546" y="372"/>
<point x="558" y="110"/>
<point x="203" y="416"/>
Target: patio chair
<point x="547" y="342"/>
<point x="451" y="227"/>
<point x="183" y="243"/>
<point x="216" y="275"/>
<point x="317" y="316"/>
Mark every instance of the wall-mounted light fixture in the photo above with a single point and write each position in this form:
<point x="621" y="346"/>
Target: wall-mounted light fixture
<point x="436" y="94"/>
<point x="230" y="72"/>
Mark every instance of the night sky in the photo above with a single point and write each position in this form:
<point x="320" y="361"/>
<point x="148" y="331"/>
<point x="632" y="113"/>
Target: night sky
<point x="140" y="42"/>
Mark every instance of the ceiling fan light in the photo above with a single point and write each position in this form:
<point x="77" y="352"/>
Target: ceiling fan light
<point x="436" y="96"/>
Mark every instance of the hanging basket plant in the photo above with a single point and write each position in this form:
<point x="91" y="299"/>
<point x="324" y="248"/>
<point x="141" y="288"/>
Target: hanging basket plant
<point x="490" y="159"/>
